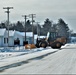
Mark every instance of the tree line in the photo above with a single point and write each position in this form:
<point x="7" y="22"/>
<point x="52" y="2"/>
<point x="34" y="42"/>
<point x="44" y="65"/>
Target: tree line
<point x="61" y="27"/>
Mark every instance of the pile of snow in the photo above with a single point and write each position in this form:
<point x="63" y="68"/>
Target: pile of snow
<point x="17" y="59"/>
<point x="6" y="52"/>
<point x="65" y="45"/>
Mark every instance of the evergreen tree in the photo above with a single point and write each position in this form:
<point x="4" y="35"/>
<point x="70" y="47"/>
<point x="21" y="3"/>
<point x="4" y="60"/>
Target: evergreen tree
<point x="62" y="28"/>
<point x="2" y="25"/>
<point x="46" y="27"/>
<point x="19" y="26"/>
<point x="47" y="23"/>
<point x="28" y="26"/>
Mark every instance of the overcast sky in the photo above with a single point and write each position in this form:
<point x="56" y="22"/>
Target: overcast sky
<point x="52" y="9"/>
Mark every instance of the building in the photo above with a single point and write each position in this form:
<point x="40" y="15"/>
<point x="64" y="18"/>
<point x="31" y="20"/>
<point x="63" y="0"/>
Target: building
<point x="73" y="38"/>
<point x="2" y="37"/>
<point x="29" y="36"/>
<point x="13" y="35"/>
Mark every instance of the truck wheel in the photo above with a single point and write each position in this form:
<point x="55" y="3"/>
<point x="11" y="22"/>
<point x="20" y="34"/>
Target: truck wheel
<point x="37" y="45"/>
<point x="43" y="44"/>
<point x="58" y="45"/>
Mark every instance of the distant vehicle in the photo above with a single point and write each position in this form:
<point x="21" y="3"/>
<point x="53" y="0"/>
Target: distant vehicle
<point x="52" y="40"/>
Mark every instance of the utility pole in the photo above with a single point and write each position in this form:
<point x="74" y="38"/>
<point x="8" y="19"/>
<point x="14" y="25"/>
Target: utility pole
<point x="32" y="16"/>
<point x="38" y="32"/>
<point x="8" y="8"/>
<point x="25" y="17"/>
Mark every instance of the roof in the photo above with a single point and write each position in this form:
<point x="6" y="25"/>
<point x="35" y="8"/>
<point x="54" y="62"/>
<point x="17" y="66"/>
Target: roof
<point x="73" y="38"/>
<point x="36" y="36"/>
<point x="30" y="34"/>
<point x="2" y="31"/>
<point x="17" y="32"/>
<point x="27" y="34"/>
<point x="11" y="32"/>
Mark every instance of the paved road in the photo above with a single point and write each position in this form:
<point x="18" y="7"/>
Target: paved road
<point x="61" y="62"/>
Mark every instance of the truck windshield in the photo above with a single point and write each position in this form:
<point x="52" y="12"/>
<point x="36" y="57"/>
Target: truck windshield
<point x="52" y="35"/>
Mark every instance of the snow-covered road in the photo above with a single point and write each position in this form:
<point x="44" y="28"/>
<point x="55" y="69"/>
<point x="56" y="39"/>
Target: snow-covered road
<point x="61" y="62"/>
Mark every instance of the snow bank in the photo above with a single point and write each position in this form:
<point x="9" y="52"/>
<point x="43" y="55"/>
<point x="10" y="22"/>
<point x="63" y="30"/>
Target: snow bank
<point x="6" y="52"/>
<point x="25" y="57"/>
<point x="14" y="55"/>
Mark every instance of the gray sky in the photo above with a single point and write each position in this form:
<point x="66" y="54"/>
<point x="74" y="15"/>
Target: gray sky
<point x="52" y="9"/>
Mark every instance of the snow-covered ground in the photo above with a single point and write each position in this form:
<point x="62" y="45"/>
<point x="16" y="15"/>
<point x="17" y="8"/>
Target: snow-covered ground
<point x="62" y="61"/>
<point x="6" y="52"/>
<point x="17" y="54"/>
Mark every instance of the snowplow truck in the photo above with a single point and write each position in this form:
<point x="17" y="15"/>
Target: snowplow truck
<point x="52" y="40"/>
